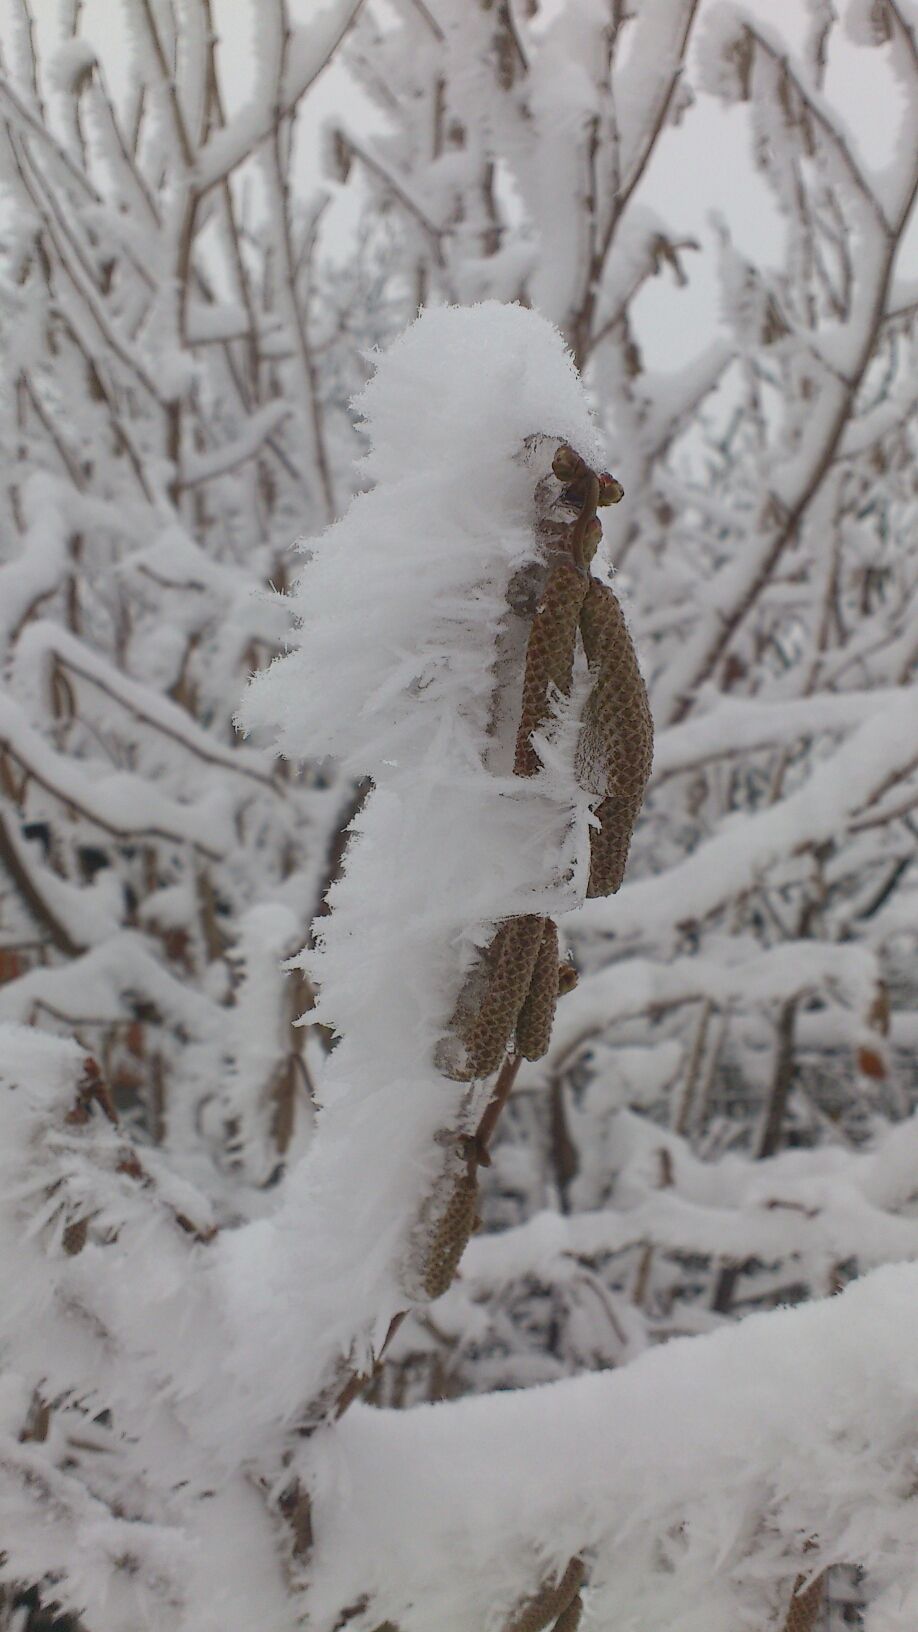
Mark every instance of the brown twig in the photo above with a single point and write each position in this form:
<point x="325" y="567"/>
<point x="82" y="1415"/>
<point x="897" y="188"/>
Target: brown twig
<point x="502" y="1091"/>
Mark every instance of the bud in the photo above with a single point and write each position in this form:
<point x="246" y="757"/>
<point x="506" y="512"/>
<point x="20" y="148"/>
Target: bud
<point x="610" y="490"/>
<point x="567" y="978"/>
<point x="566" y="464"/>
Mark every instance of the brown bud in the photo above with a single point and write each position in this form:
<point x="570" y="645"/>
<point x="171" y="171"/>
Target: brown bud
<point x="871" y="1064"/>
<point x="566" y="464"/>
<point x="567" y="978"/>
<point x="610" y="490"/>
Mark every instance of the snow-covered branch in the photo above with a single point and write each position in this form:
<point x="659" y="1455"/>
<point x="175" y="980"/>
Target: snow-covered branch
<point x="697" y="1482"/>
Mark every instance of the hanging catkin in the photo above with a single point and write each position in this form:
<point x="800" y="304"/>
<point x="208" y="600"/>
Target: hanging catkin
<point x="805" y="1606"/>
<point x="615" y="750"/>
<point x="549" y="656"/>
<point x="451" y="1235"/>
<point x="549" y="1603"/>
<point x="490" y="1001"/>
<point x="533" y="1028"/>
<point x="569" y="1619"/>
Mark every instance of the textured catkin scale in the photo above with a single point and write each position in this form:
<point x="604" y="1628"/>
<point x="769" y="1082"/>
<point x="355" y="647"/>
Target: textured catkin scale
<point x="805" y="1606"/>
<point x="549" y="1603"/>
<point x="533" y="1028"/>
<point x="615" y="750"/>
<point x="549" y="656"/>
<point x="491" y="1000"/>
<point x="451" y="1236"/>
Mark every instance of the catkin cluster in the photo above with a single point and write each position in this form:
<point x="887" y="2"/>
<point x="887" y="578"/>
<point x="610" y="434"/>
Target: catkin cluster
<point x="508" y="999"/>
<point x="486" y="1013"/>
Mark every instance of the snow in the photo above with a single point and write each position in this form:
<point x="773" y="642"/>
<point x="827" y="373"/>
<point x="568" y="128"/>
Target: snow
<point x="799" y="1207"/>
<point x="187" y="1292"/>
<point x="96" y="984"/>
<point x="204" y="467"/>
<point x="740" y="724"/>
<point x="42" y="641"/>
<point x="118" y="802"/>
<point x="72" y="60"/>
<point x="790" y="1426"/>
<point x="735" y="976"/>
<point x="839" y="787"/>
<point x="402" y="602"/>
<point x="308" y="52"/>
<point x="37" y="572"/>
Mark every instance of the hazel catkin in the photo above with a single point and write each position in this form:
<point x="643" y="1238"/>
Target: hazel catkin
<point x="549" y="656"/>
<point x="533" y="1028"/>
<point x="569" y="1619"/>
<point x="490" y="1001"/>
<point x="451" y="1236"/>
<point x="549" y="1603"/>
<point x="804" y="1606"/>
<point x="615" y="750"/>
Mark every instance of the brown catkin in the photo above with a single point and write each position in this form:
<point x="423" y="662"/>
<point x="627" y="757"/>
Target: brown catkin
<point x="533" y="1028"/>
<point x="569" y="1619"/>
<point x="490" y="1001"/>
<point x="549" y="656"/>
<point x="549" y="1602"/>
<point x="451" y="1236"/>
<point x="615" y="750"/>
<point x="804" y="1606"/>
